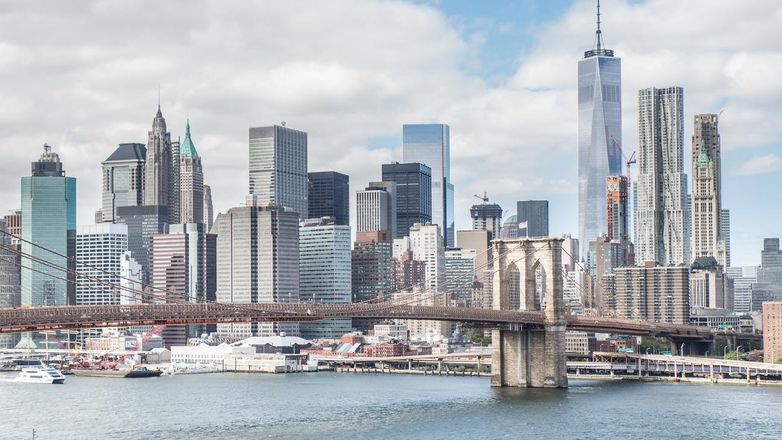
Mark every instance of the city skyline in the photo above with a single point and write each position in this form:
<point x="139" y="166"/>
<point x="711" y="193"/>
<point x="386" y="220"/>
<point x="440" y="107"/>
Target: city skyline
<point x="496" y="124"/>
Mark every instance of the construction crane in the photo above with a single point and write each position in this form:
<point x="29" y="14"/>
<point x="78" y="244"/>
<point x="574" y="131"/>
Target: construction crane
<point x="484" y="199"/>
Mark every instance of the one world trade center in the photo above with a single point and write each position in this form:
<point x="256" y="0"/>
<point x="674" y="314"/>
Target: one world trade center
<point x="599" y="135"/>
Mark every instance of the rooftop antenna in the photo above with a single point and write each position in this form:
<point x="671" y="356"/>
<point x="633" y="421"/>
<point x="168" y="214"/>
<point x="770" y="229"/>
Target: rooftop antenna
<point x="599" y="33"/>
<point x="158" y="96"/>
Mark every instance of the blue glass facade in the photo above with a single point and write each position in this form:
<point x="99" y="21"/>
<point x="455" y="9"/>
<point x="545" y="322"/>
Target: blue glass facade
<point x="599" y="139"/>
<point x="430" y="144"/>
<point x="48" y="220"/>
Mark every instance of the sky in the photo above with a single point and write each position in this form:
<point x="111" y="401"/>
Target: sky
<point x="83" y="76"/>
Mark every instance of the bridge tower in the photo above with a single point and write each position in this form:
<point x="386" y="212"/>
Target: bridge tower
<point x="528" y="276"/>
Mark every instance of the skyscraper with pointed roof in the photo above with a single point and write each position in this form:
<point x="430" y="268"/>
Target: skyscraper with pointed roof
<point x="599" y="134"/>
<point x="158" y="167"/>
<point x="708" y="233"/>
<point x="191" y="182"/>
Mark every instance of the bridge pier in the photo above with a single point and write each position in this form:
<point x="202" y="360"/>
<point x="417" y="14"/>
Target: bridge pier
<point x="529" y="356"/>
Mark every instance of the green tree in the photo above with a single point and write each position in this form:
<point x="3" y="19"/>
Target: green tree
<point x="653" y="344"/>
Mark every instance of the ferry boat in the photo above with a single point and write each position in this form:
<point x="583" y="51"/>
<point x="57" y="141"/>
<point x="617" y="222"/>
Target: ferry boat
<point x="40" y="373"/>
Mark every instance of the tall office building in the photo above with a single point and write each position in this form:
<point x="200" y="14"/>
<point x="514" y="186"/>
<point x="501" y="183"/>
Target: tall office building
<point x="707" y="239"/>
<point x="769" y="276"/>
<point x="533" y="213"/>
<point x="191" y="182"/>
<point x="278" y="167"/>
<point x="257" y="262"/>
<point x="413" y="194"/>
<point x="426" y="247"/>
<point x="743" y="278"/>
<point x="158" y="169"/>
<point x="653" y="293"/>
<point x="430" y="144"/>
<point x="10" y="280"/>
<point x="49" y="221"/>
<point x="123" y="179"/>
<point x="480" y="242"/>
<point x="725" y="234"/>
<point x="99" y="250"/>
<point x="329" y="196"/>
<point x="131" y="280"/>
<point x="460" y="276"/>
<point x="487" y="217"/>
<point x="324" y="273"/>
<point x="617" y="215"/>
<point x="209" y="213"/>
<point x="371" y="276"/>
<point x="175" y="184"/>
<point x="663" y="218"/>
<point x="599" y="135"/>
<point x="143" y="222"/>
<point x="710" y="286"/>
<point x="376" y="210"/>
<point x="13" y="225"/>
<point x="180" y="265"/>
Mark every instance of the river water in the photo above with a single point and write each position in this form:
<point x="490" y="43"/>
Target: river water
<point x="335" y="405"/>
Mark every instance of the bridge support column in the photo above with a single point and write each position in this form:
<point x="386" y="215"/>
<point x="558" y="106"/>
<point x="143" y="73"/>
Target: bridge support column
<point x="529" y="356"/>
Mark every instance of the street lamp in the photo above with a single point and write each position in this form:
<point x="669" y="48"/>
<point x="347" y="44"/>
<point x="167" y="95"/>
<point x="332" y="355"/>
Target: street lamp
<point x="725" y="352"/>
<point x="738" y="351"/>
<point x="681" y="350"/>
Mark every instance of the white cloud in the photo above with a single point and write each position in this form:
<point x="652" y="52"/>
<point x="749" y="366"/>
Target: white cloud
<point x="770" y="163"/>
<point x="350" y="73"/>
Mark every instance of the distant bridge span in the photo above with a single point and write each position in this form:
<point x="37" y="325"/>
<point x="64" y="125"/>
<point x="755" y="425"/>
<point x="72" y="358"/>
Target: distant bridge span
<point x="75" y="317"/>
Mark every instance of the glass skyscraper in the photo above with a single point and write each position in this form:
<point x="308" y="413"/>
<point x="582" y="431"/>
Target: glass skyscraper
<point x="430" y="144"/>
<point x="329" y="196"/>
<point x="278" y="167"/>
<point x="413" y="194"/>
<point x="599" y="136"/>
<point x="49" y="221"/>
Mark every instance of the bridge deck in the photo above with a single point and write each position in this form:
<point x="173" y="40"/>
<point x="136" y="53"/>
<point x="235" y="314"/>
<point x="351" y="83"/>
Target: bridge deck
<point x="69" y="317"/>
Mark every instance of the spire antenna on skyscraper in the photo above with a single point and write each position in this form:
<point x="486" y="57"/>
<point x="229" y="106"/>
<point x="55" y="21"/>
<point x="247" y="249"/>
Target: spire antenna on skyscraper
<point x="598" y="33"/>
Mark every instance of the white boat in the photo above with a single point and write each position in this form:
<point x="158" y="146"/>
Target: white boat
<point x="40" y="374"/>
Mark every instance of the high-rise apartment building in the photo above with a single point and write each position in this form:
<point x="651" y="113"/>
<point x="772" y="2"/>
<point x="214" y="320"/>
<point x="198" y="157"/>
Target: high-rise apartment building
<point x="325" y="273"/>
<point x="772" y="332"/>
<point x="376" y="209"/>
<point x="533" y="214"/>
<point x="427" y="247"/>
<point x="191" y="182"/>
<point x="599" y="135"/>
<point x="329" y="196"/>
<point x="653" y="293"/>
<point x="278" y="167"/>
<point x="48" y="233"/>
<point x="662" y="229"/>
<point x="430" y="144"/>
<point x="487" y="217"/>
<point x="209" y="214"/>
<point x="123" y="179"/>
<point x="175" y="183"/>
<point x="413" y="194"/>
<point x="257" y="262"/>
<point x="99" y="250"/>
<point x="143" y="222"/>
<point x="160" y="171"/>
<point x="707" y="239"/>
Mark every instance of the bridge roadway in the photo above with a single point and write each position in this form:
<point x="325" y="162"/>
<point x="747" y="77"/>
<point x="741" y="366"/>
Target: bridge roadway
<point x="72" y="317"/>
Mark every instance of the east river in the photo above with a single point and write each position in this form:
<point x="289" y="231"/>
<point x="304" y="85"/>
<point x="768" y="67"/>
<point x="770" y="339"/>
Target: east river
<point x="335" y="406"/>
